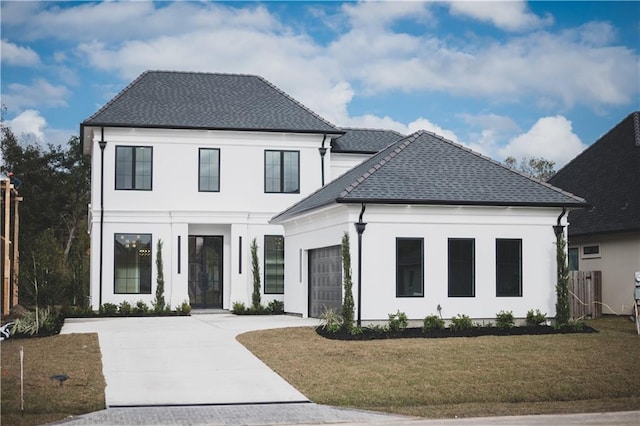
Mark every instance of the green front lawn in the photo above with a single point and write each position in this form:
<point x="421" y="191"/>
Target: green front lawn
<point x="481" y="376"/>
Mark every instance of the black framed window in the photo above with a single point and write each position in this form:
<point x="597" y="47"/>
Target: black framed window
<point x="132" y="264"/>
<point x="508" y="268"/>
<point x="409" y="267"/>
<point x="274" y="264"/>
<point x="134" y="167"/>
<point x="574" y="263"/>
<point x="282" y="172"/>
<point x="462" y="267"/>
<point x="209" y="170"/>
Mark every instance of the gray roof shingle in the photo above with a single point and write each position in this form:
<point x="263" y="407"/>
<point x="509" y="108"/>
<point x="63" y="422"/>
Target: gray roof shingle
<point x="424" y="168"/>
<point x="364" y="141"/>
<point x="190" y="100"/>
<point x="607" y="174"/>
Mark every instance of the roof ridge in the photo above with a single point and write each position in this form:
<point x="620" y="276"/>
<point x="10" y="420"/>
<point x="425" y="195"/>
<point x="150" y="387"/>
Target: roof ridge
<point x="371" y="129"/>
<point x="395" y="148"/>
<point x="636" y="119"/>
<point x="118" y="96"/>
<point x="282" y="93"/>
<point x="504" y="166"/>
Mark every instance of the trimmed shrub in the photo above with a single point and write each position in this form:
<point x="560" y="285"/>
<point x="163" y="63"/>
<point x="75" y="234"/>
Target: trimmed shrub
<point x="124" y="308"/>
<point x="140" y="308"/>
<point x="238" y="307"/>
<point x="505" y="319"/>
<point x="276" y="307"/>
<point x="432" y="322"/>
<point x="535" y="318"/>
<point x="398" y="321"/>
<point x="108" y="309"/>
<point x="461" y="323"/>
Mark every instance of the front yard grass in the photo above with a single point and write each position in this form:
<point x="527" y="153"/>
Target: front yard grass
<point x="76" y="355"/>
<point x="464" y="377"/>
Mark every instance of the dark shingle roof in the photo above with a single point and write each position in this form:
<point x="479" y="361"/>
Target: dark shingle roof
<point x="607" y="174"/>
<point x="167" y="99"/>
<point x="364" y="141"/>
<point x="424" y="168"/>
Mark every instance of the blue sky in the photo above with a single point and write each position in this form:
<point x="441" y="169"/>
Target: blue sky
<point x="504" y="78"/>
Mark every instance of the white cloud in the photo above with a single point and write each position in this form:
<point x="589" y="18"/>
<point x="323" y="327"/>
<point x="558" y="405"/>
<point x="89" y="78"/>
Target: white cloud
<point x="550" y="137"/>
<point x="507" y="15"/>
<point x="29" y="122"/>
<point x="13" y="54"/>
<point x="39" y="94"/>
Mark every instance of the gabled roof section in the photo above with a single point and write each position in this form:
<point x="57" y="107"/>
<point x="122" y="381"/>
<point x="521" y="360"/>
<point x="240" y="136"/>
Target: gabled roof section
<point x="190" y="100"/>
<point x="364" y="141"/>
<point x="424" y="168"/>
<point x="607" y="174"/>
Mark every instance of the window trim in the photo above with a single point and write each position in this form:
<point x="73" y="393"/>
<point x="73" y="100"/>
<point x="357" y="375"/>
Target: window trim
<point x="421" y="240"/>
<point x="264" y="261"/>
<point x="115" y="238"/>
<point x="473" y="267"/>
<point x="200" y="170"/>
<point x="521" y="285"/>
<point x="133" y="171"/>
<point x="282" y="180"/>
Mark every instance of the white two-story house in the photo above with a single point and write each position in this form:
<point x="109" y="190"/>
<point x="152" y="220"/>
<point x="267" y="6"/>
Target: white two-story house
<point x="201" y="162"/>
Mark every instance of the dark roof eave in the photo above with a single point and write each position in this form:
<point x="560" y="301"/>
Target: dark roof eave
<point x="235" y="129"/>
<point x="459" y="203"/>
<point x="605" y="232"/>
<point x="346" y="151"/>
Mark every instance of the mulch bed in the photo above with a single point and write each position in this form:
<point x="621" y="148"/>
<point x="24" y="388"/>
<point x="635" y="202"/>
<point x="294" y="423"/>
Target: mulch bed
<point x="416" y="332"/>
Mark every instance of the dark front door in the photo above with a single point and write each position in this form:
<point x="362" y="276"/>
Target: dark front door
<point x="205" y="272"/>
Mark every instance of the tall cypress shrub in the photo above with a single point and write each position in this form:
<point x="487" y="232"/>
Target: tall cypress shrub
<point x="562" y="285"/>
<point x="255" y="270"/>
<point x="347" y="303"/>
<point x="159" y="303"/>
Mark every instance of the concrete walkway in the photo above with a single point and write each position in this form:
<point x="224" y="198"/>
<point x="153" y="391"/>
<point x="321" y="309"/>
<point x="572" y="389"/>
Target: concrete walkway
<point x="186" y="360"/>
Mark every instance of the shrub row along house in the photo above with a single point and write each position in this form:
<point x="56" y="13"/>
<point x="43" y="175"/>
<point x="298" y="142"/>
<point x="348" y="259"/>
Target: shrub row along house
<point x="209" y="162"/>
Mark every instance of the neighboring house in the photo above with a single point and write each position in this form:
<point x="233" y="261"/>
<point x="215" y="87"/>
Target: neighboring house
<point x="606" y="236"/>
<point x="202" y="162"/>
<point x="442" y="226"/>
<point x="358" y="145"/>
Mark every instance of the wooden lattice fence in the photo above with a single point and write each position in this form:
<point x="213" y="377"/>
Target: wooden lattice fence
<point x="585" y="294"/>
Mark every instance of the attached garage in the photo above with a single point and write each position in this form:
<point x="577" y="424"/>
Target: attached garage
<point x="325" y="280"/>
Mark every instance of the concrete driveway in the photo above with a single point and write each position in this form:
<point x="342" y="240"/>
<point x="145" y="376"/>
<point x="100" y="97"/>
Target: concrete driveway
<point x="186" y="360"/>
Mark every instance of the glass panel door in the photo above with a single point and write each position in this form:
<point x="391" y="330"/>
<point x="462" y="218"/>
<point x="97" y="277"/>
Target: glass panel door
<point x="205" y="271"/>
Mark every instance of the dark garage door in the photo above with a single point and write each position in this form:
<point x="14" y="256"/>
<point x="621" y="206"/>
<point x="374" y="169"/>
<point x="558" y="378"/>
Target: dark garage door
<point x="325" y="280"/>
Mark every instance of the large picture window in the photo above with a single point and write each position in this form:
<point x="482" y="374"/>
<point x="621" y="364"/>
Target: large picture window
<point x="462" y="267"/>
<point x="509" y="268"/>
<point x="409" y="267"/>
<point x="209" y="170"/>
<point x="282" y="171"/>
<point x="134" y="166"/>
<point x="132" y="264"/>
<point x="273" y="264"/>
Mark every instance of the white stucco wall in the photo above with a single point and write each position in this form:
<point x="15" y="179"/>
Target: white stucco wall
<point x="618" y="260"/>
<point x="343" y="162"/>
<point x="435" y="224"/>
<point x="174" y="207"/>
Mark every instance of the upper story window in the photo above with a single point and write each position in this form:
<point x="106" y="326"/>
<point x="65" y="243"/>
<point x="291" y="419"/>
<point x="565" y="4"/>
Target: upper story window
<point x="282" y="171"/>
<point x="409" y="267"/>
<point x="134" y="166"/>
<point x="462" y="267"/>
<point x="591" y="251"/>
<point x="509" y="268"/>
<point x="209" y="170"/>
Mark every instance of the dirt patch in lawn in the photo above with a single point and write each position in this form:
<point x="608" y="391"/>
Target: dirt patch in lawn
<point x="45" y="400"/>
<point x="482" y="376"/>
